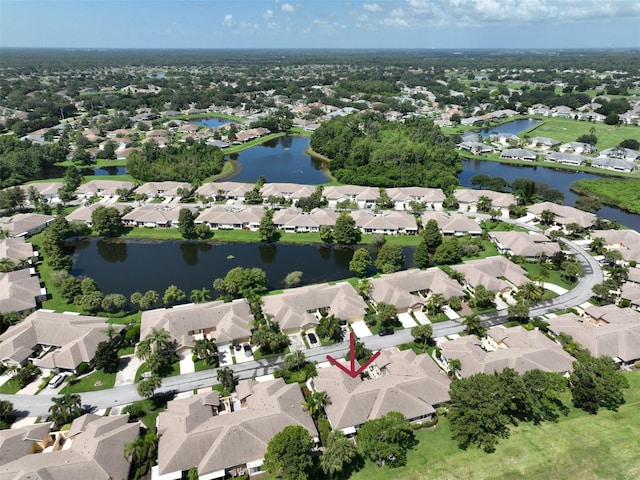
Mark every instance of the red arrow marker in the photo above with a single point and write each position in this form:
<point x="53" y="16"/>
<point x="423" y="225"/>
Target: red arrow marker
<point x="353" y="372"/>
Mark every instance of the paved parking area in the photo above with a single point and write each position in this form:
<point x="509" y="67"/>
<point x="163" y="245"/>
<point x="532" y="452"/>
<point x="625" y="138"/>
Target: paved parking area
<point x="450" y="312"/>
<point x="360" y="329"/>
<point x="406" y="320"/>
<point x="313" y="345"/>
<point x="242" y="357"/>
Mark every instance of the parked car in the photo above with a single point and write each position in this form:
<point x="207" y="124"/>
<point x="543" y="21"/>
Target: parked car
<point x="56" y="380"/>
<point x="386" y="331"/>
<point x="312" y="338"/>
<point x="247" y="350"/>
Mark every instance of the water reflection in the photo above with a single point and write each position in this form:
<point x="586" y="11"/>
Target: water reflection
<point x="189" y="253"/>
<point x="112" y="250"/>
<point x="268" y="252"/>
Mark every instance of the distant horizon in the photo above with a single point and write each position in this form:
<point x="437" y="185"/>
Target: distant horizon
<point x="330" y="24"/>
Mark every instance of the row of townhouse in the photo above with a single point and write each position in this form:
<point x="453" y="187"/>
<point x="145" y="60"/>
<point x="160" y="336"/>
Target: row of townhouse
<point x="20" y="288"/>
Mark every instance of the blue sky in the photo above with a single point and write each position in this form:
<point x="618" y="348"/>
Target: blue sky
<point x="320" y="23"/>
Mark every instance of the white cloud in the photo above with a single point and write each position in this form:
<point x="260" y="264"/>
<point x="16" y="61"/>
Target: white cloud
<point x="228" y="21"/>
<point x="372" y="7"/>
<point x="268" y="14"/>
<point x="287" y="7"/>
<point x="397" y="12"/>
<point x="394" y="22"/>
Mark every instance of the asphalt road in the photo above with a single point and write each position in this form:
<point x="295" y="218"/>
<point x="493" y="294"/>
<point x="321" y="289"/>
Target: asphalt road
<point x="38" y="405"/>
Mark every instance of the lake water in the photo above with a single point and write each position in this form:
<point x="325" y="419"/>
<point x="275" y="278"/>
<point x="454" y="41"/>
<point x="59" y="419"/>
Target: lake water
<point x="514" y="127"/>
<point x="106" y="171"/>
<point x="281" y="159"/>
<point x="127" y="266"/>
<point x="212" y="122"/>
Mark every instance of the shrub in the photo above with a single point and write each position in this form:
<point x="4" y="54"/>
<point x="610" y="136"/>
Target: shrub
<point x="83" y="368"/>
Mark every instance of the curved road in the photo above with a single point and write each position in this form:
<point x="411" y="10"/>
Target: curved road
<point x="38" y="405"/>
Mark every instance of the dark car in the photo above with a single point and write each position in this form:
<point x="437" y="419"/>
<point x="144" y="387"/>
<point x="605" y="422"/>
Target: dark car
<point x="386" y="331"/>
<point x="312" y="338"/>
<point x="247" y="350"/>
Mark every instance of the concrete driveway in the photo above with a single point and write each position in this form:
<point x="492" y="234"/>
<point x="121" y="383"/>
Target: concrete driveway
<point x="360" y="329"/>
<point x="406" y="320"/>
<point x="129" y="365"/>
<point x="297" y="343"/>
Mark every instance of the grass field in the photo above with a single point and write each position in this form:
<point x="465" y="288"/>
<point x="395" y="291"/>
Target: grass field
<point x="567" y="130"/>
<point x="88" y="383"/>
<point x="580" y="446"/>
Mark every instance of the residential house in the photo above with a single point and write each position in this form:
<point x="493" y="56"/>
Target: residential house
<point x="495" y="273"/>
<point x="459" y="224"/>
<point x="542" y="142"/>
<point x="103" y="188"/>
<point x="301" y="308"/>
<point x="410" y="289"/>
<point x="155" y="216"/>
<point x="475" y="148"/>
<point x="54" y="341"/>
<point x="168" y="190"/>
<point x="225" y="323"/>
<point x="25" y="224"/>
<point x="468" y="198"/>
<point x="402" y="197"/>
<point x="577" y="147"/>
<point x="607" y="330"/>
<point x="227" y="437"/>
<point x="18" y="251"/>
<point x="627" y="242"/>
<point x="620" y="153"/>
<point x="388" y="222"/>
<point x="362" y="197"/>
<point x="565" y="158"/>
<point x="47" y="190"/>
<point x="564" y="215"/>
<point x="92" y="448"/>
<point x="232" y="217"/>
<point x="524" y="244"/>
<point x="289" y="191"/>
<point x="615" y="164"/>
<point x="85" y="213"/>
<point x="20" y="291"/>
<point x="518" y="154"/>
<point x="397" y="381"/>
<point x="225" y="190"/>
<point x="507" y="139"/>
<point x="515" y="347"/>
<point x="630" y="291"/>
<point x="295" y="220"/>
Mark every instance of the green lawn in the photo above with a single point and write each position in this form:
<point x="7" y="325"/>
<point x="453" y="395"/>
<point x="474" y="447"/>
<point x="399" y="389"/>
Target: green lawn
<point x="579" y="446"/>
<point x="533" y="270"/>
<point x="11" y="386"/>
<point x="88" y="383"/>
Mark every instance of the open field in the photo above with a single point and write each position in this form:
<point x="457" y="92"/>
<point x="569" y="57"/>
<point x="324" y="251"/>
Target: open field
<point x="581" y="446"/>
<point x="567" y="130"/>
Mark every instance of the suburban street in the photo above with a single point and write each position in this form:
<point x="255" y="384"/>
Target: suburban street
<point x="38" y="405"/>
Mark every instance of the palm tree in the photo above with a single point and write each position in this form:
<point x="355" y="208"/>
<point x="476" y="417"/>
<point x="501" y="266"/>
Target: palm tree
<point x="294" y="360"/>
<point x="148" y="386"/>
<point x="547" y="217"/>
<point x="364" y="287"/>
<point x="597" y="245"/>
<point x="6" y="265"/>
<point x="227" y="379"/>
<point x="205" y="349"/>
<point x="315" y="403"/>
<point x="136" y="450"/>
<point x="530" y="292"/>
<point x="435" y="303"/>
<point x="454" y="367"/>
<point x="159" y="339"/>
<point x="200" y="296"/>
<point x="143" y="350"/>
<point x="65" y="409"/>
<point x="474" y="327"/>
<point x="422" y="333"/>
